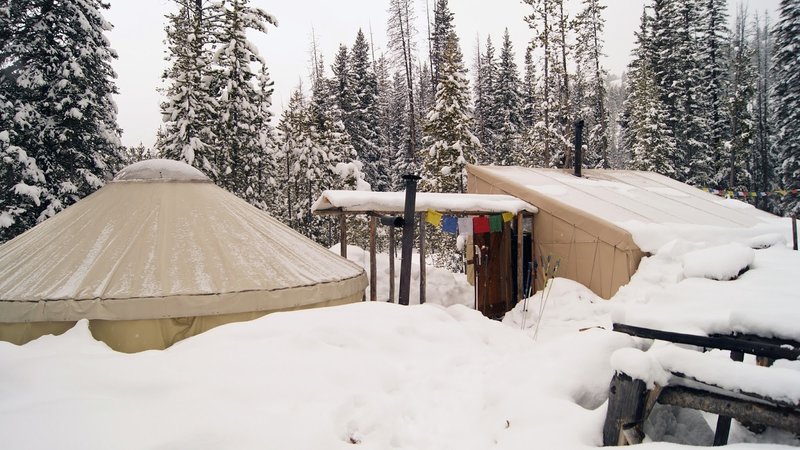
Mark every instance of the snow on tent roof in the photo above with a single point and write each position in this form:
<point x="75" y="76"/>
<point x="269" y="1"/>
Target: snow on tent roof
<point x="366" y="201"/>
<point x="164" y="249"/>
<point x="160" y="170"/>
<point x="623" y="196"/>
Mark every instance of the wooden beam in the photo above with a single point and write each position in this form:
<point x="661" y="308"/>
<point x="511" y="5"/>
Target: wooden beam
<point x="343" y="236"/>
<point x="520" y="253"/>
<point x="626" y="406"/>
<point x="391" y="264"/>
<point x="723" y="343"/>
<point x="422" y="281"/>
<point x="794" y="232"/>
<point x="739" y="409"/>
<point x="373" y="266"/>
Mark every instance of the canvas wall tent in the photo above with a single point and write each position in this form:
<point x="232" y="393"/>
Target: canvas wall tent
<point x="160" y="254"/>
<point x="587" y="222"/>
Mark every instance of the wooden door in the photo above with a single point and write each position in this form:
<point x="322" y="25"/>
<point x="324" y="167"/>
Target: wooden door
<point x="493" y="283"/>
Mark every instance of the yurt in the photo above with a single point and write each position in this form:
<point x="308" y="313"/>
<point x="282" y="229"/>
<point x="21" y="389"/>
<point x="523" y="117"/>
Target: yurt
<point x="160" y="254"/>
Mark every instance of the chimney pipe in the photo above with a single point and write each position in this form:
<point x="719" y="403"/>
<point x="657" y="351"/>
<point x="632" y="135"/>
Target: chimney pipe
<point x="408" y="238"/>
<point x="578" y="145"/>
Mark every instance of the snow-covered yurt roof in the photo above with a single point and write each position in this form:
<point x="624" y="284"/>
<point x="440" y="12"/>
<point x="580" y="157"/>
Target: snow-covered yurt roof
<point x="162" y="242"/>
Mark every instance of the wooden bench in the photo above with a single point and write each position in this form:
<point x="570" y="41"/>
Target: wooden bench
<point x="701" y="385"/>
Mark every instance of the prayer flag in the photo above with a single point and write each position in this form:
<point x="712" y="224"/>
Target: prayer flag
<point x="507" y="216"/>
<point x="465" y="225"/>
<point x="480" y="224"/>
<point x="496" y="223"/>
<point x="450" y="224"/>
<point x="433" y="217"/>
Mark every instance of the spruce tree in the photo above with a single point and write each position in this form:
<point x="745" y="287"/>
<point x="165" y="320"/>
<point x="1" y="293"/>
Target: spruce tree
<point x="645" y="132"/>
<point x="238" y="126"/>
<point x="57" y="115"/>
<point x="189" y="108"/>
<point x="589" y="25"/>
<point x="765" y="161"/>
<point x="714" y="55"/>
<point x="786" y="66"/>
<point x="506" y="96"/>
<point x="485" y="113"/>
<point x="736" y="154"/>
<point x="364" y="125"/>
<point x="451" y="144"/>
<point x="442" y="27"/>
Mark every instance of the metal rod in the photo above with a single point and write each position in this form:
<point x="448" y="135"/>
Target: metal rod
<point x="578" y="145"/>
<point x="391" y="264"/>
<point x="408" y="238"/>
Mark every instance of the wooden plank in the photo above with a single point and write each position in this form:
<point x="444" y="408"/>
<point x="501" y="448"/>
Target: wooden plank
<point x="739" y="409"/>
<point x="343" y="235"/>
<point x="724" y="421"/>
<point x="373" y="266"/>
<point x="422" y="280"/>
<point x="391" y="264"/>
<point x="520" y="253"/>
<point x="626" y="405"/>
<point x="723" y="343"/>
<point x="794" y="232"/>
<point x="509" y="281"/>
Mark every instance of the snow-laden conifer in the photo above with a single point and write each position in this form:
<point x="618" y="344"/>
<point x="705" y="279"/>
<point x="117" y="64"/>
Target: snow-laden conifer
<point x="59" y="136"/>
<point x="786" y="66"/>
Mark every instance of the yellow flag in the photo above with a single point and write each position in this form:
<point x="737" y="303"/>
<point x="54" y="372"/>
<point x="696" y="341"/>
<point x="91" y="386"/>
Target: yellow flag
<point x="433" y="217"/>
<point x="507" y="216"/>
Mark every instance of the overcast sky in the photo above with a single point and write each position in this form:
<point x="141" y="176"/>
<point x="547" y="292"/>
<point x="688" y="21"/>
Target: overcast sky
<point x="138" y="37"/>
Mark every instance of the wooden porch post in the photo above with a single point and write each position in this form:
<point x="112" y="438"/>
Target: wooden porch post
<point x="520" y="252"/>
<point x="421" y="259"/>
<point x="343" y="235"/>
<point x="373" y="267"/>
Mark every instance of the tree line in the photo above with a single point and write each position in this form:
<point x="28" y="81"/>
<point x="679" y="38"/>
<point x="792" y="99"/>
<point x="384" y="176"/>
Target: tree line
<point x="701" y="101"/>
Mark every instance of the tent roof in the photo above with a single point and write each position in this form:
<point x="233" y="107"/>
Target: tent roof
<point x="623" y="197"/>
<point x="174" y="246"/>
<point x="394" y="202"/>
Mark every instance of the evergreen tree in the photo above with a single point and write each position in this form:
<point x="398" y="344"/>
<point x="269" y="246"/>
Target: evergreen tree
<point x="736" y="163"/>
<point x="238" y="126"/>
<point x="364" y="128"/>
<point x="294" y="136"/>
<point x="530" y="149"/>
<point x="399" y="133"/>
<point x="616" y="94"/>
<point x="589" y="25"/>
<point x="401" y="32"/>
<point x="189" y="108"/>
<point x="645" y="133"/>
<point x="485" y="113"/>
<point x="786" y="66"/>
<point x="382" y="178"/>
<point x="679" y="76"/>
<point x="714" y="56"/>
<point x="442" y="27"/>
<point x="765" y="161"/>
<point x="507" y="108"/>
<point x="551" y="132"/>
<point x="57" y="116"/>
<point x="451" y="144"/>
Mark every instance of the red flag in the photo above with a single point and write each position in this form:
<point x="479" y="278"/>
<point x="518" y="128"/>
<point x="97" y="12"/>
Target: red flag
<point x="480" y="224"/>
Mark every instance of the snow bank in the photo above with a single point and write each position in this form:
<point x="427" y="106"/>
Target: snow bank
<point x="724" y="262"/>
<point x="161" y="170"/>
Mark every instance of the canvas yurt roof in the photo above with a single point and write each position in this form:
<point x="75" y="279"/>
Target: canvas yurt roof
<point x="161" y="242"/>
<point x="594" y="223"/>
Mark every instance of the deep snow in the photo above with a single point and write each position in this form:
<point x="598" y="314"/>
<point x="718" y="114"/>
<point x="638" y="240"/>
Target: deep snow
<point x="434" y="376"/>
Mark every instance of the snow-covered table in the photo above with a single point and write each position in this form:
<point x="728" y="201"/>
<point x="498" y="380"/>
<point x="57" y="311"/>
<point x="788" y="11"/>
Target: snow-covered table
<point x="673" y="375"/>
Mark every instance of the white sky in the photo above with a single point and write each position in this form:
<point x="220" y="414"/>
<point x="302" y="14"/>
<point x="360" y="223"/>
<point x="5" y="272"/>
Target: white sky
<point x="138" y="39"/>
